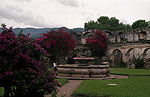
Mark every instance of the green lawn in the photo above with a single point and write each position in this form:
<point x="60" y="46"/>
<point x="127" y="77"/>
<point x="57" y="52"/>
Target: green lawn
<point x="62" y="81"/>
<point x="137" y="86"/>
<point x="1" y="91"/>
<point x="131" y="72"/>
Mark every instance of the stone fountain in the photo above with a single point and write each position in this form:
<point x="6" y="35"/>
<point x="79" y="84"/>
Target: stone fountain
<point x="83" y="67"/>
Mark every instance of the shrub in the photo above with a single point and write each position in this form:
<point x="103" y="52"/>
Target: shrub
<point x="22" y="72"/>
<point x="139" y="61"/>
<point x="57" y="43"/>
<point x="97" y="43"/>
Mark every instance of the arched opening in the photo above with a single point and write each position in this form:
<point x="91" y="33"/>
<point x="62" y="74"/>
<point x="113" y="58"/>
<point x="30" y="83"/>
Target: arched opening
<point x="116" y="38"/>
<point x="146" y="53"/>
<point x="117" y="54"/>
<point x="121" y="36"/>
<point x="132" y="52"/>
<point x="142" y="36"/>
<point x="128" y="52"/>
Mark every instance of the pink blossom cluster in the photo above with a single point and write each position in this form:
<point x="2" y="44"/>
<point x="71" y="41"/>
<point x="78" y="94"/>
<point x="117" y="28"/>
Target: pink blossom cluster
<point x="97" y="43"/>
<point x="58" y="43"/>
<point x="21" y="64"/>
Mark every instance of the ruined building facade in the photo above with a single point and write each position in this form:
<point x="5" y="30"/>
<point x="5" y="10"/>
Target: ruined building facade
<point x="126" y="44"/>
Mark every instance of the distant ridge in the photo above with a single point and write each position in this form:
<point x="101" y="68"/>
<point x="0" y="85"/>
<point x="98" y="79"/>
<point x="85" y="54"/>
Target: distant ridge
<point x="36" y="32"/>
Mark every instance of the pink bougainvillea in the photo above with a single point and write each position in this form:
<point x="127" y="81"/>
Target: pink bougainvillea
<point x="97" y="43"/>
<point x="58" y="43"/>
<point x="22" y="71"/>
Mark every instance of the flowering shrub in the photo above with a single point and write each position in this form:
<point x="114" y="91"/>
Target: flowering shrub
<point x="97" y="43"/>
<point x="58" y="43"/>
<point x="21" y="71"/>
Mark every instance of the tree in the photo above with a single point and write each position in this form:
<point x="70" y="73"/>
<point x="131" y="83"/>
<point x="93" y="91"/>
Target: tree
<point x="91" y="25"/>
<point x="58" y="43"/>
<point x="106" y="23"/>
<point x="139" y="24"/>
<point x="22" y="71"/>
<point x="97" y="43"/>
<point x="103" y="20"/>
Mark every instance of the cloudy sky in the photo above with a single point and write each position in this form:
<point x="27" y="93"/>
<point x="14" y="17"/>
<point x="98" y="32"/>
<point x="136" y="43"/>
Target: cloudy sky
<point x="69" y="13"/>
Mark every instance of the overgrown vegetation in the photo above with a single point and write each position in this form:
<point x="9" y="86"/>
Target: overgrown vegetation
<point x="22" y="69"/>
<point x="138" y="62"/>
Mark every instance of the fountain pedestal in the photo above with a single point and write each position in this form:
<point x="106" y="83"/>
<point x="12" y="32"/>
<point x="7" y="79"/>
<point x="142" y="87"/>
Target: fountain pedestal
<point x="83" y="60"/>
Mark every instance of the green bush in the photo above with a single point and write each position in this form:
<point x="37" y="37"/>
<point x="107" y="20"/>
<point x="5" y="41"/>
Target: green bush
<point x="139" y="61"/>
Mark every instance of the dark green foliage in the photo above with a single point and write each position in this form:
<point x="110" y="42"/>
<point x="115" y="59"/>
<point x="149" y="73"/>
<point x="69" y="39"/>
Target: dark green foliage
<point x="106" y="23"/>
<point x="139" y="24"/>
<point x="91" y="25"/>
<point x="120" y="64"/>
<point x="139" y="62"/>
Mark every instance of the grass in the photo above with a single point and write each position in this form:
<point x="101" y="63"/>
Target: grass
<point x="137" y="86"/>
<point x="1" y="91"/>
<point x="62" y="81"/>
<point x="130" y="72"/>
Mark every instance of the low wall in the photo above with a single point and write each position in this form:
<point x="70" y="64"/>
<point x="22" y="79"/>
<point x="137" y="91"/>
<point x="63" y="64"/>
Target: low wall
<point x="83" y="71"/>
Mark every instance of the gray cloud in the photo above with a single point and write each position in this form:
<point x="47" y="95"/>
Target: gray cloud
<point x="72" y="3"/>
<point x="23" y="0"/>
<point x="20" y="16"/>
<point x="87" y="15"/>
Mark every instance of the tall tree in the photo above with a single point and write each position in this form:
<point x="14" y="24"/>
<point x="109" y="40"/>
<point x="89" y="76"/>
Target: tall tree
<point x="91" y="25"/>
<point x="103" y="20"/>
<point x="106" y="23"/>
<point x="139" y="24"/>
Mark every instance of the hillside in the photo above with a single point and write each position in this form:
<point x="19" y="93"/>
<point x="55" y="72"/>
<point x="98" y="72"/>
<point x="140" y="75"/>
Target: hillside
<point x="36" y="32"/>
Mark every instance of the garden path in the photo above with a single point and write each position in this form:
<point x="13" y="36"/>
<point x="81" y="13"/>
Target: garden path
<point x="67" y="89"/>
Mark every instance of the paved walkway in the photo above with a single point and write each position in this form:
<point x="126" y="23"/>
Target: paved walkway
<point x="67" y="89"/>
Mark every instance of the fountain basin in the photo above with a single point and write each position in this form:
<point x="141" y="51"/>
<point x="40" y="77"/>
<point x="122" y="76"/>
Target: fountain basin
<point x="83" y="60"/>
<point x="82" y="71"/>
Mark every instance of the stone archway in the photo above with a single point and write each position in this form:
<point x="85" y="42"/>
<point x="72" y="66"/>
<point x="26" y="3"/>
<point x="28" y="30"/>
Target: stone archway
<point x="132" y="52"/>
<point x="146" y="53"/>
<point x="128" y="51"/>
<point x="142" y="36"/>
<point x="117" y="56"/>
<point x="121" y="37"/>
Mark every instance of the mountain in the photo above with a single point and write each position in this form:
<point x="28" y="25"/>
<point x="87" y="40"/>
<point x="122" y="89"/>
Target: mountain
<point x="36" y="32"/>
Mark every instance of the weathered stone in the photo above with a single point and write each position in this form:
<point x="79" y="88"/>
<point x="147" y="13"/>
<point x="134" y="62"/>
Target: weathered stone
<point x="129" y="43"/>
<point x="64" y="75"/>
<point x="80" y="76"/>
<point x="84" y="71"/>
<point x="147" y="66"/>
<point x="98" y="76"/>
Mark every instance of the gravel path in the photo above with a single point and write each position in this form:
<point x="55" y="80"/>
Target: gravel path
<point x="67" y="89"/>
